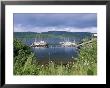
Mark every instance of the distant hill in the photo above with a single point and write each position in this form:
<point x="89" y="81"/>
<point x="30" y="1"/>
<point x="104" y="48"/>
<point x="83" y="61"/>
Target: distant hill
<point x="24" y="34"/>
<point x="52" y="34"/>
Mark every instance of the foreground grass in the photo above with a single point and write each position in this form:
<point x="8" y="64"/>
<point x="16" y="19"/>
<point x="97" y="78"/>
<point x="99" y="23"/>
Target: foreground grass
<point x="25" y="63"/>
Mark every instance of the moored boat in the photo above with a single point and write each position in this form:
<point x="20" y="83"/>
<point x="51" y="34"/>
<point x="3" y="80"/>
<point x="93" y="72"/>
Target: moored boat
<point x="40" y="44"/>
<point x="68" y="44"/>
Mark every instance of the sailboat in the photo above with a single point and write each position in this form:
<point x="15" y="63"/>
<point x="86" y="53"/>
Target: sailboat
<point x="39" y="44"/>
<point x="68" y="43"/>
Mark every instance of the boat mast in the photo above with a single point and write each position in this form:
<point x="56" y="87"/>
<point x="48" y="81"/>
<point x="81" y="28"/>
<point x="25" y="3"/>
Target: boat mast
<point x="35" y="37"/>
<point x="40" y="37"/>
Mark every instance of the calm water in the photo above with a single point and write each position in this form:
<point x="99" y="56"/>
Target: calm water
<point x="54" y="52"/>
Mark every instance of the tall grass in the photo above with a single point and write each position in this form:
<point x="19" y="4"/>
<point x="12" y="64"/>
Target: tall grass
<point x="25" y="63"/>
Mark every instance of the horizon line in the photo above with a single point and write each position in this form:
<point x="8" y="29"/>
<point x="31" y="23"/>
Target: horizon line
<point x="50" y="31"/>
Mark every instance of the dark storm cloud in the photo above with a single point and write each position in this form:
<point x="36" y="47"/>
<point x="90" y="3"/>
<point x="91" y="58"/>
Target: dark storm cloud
<point x="78" y="20"/>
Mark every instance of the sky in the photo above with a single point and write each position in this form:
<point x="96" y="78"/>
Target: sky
<point x="43" y="22"/>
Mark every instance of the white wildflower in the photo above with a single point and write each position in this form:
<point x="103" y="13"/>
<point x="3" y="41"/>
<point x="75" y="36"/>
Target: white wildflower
<point x="42" y="65"/>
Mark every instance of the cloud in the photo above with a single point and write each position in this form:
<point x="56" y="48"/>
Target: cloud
<point x="79" y="20"/>
<point x="28" y="28"/>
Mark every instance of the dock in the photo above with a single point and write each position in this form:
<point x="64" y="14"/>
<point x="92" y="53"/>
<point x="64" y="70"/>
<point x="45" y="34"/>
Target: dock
<point x="84" y="43"/>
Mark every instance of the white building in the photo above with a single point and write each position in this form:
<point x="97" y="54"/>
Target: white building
<point x="95" y="35"/>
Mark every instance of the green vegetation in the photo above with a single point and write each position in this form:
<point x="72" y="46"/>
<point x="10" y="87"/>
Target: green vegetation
<point x="53" y="34"/>
<point x="25" y="63"/>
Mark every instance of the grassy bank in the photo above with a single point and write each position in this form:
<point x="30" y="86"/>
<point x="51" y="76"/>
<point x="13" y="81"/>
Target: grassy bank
<point x="25" y="63"/>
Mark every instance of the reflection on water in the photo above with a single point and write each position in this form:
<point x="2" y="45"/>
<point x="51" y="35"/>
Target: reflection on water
<point x="54" y="52"/>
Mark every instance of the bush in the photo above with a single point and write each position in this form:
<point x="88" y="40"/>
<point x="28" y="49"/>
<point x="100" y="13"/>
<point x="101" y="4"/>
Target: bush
<point x="23" y="58"/>
<point x="87" y="60"/>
